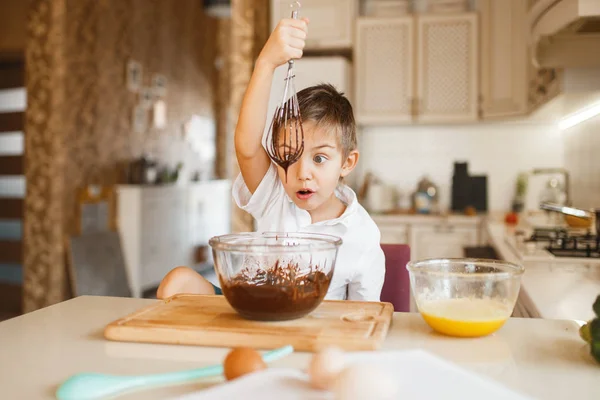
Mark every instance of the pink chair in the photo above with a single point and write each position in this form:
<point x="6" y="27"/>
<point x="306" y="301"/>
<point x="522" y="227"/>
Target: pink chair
<point x="396" y="286"/>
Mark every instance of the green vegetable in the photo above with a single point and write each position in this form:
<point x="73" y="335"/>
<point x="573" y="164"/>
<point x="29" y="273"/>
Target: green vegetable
<point x="593" y="328"/>
<point x="584" y="332"/>
<point x="596" y="351"/>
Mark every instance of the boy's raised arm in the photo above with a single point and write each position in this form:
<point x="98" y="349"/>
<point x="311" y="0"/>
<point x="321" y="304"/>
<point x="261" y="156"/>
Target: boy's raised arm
<point x="285" y="43"/>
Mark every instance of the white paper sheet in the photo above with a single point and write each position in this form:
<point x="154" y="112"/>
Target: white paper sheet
<point x="421" y="375"/>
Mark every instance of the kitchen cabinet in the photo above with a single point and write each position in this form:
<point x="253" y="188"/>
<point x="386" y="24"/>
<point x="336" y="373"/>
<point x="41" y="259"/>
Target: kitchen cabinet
<point x="331" y="21"/>
<point x="162" y="236"/>
<point x="431" y="236"/>
<point x="441" y="241"/>
<point x="394" y="234"/>
<point x="438" y="52"/>
<point x="447" y="65"/>
<point x="504" y="58"/>
<point x="384" y="56"/>
<point x="161" y="227"/>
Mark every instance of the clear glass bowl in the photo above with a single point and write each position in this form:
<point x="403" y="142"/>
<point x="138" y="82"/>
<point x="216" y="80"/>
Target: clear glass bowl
<point x="275" y="276"/>
<point x="465" y="297"/>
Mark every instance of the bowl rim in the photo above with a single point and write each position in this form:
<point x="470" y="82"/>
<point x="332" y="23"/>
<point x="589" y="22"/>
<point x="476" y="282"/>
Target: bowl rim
<point x="322" y="242"/>
<point x="513" y="270"/>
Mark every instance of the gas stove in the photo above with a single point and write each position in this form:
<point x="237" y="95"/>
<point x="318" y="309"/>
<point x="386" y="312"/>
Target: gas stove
<point x="559" y="244"/>
<point x="563" y="242"/>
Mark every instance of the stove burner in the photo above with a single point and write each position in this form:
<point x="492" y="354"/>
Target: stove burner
<point x="567" y="243"/>
<point x="544" y="234"/>
<point x="574" y="253"/>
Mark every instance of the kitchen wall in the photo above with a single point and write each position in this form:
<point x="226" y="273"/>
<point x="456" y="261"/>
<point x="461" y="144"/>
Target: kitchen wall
<point x="402" y="155"/>
<point x="78" y="122"/>
<point x="582" y="149"/>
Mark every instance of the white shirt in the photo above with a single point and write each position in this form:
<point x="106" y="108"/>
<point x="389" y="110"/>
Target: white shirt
<point x="360" y="265"/>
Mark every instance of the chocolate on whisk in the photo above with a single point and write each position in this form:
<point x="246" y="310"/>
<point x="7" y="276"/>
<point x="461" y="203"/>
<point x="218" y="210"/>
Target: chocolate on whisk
<point x="286" y="143"/>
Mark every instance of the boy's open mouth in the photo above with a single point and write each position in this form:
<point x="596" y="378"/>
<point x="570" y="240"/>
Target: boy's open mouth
<point x="304" y="194"/>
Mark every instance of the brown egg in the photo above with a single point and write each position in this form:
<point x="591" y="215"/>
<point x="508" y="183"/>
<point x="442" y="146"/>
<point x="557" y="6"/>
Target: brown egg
<point x="242" y="361"/>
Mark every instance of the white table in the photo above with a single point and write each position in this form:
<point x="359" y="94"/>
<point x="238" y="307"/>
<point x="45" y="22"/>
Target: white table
<point x="543" y="358"/>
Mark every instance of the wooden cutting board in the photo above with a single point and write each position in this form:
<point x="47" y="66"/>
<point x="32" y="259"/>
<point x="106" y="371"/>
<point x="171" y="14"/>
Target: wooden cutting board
<point x="210" y="321"/>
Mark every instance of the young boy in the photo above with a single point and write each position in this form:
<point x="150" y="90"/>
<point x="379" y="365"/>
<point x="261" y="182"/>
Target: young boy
<point x="311" y="198"/>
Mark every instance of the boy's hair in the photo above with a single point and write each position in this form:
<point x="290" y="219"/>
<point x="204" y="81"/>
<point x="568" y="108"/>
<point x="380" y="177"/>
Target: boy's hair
<point x="330" y="109"/>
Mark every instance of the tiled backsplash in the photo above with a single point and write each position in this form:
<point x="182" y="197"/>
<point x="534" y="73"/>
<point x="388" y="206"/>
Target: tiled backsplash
<point x="582" y="159"/>
<point x="402" y="155"/>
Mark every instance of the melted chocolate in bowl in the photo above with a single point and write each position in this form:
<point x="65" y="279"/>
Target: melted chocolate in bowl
<point x="278" y="293"/>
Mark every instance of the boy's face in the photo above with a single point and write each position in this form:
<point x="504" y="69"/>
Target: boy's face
<point x="311" y="181"/>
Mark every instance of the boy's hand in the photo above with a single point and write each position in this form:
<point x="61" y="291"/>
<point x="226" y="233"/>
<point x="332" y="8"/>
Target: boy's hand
<point x="285" y="43"/>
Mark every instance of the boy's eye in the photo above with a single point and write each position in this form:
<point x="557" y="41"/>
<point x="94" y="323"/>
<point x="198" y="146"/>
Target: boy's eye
<point x="319" y="159"/>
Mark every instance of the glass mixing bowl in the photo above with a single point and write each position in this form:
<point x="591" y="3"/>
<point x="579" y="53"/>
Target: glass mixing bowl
<point x="275" y="276"/>
<point x="465" y="297"/>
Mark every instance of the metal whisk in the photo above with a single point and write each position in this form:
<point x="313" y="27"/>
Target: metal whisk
<point x="286" y="143"/>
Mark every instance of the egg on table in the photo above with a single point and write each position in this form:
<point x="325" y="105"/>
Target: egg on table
<point x="365" y="381"/>
<point x="241" y="361"/>
<point x="325" y="366"/>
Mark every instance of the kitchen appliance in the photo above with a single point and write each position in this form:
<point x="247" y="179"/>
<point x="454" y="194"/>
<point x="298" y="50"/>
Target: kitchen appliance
<point x="460" y="186"/>
<point x="479" y="194"/>
<point x="143" y="170"/>
<point x="376" y="195"/>
<point x="563" y="242"/>
<point x="426" y="197"/>
<point x="468" y="190"/>
<point x="546" y="185"/>
<point x="565" y="245"/>
<point x="564" y="33"/>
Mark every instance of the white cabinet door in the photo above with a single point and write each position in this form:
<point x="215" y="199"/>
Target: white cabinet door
<point x="384" y="70"/>
<point x="161" y="227"/>
<point x="503" y="58"/>
<point x="209" y="212"/>
<point x="447" y="68"/>
<point x="331" y="21"/>
<point x="441" y="241"/>
<point x="164" y="233"/>
<point x="397" y="234"/>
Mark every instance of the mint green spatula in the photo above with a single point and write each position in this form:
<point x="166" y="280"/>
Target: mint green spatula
<point x="91" y="386"/>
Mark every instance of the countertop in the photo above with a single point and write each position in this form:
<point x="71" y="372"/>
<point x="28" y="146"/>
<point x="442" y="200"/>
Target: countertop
<point x="542" y="358"/>
<point x="550" y="288"/>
